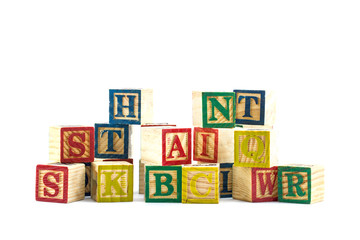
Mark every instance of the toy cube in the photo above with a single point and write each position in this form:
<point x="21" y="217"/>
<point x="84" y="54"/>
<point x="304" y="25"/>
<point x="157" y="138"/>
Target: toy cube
<point x="87" y="179"/>
<point x="213" y="109"/>
<point x="166" y="146"/>
<point x="255" y="184"/>
<point x="200" y="183"/>
<point x="301" y="183"/>
<point x="253" y="149"/>
<point x="112" y="141"/>
<point x="206" y="145"/>
<point x="71" y="144"/>
<point x="130" y="106"/>
<point x="61" y="183"/>
<point x="255" y="107"/>
<point x="112" y="181"/>
<point x="163" y="184"/>
<point x="226" y="179"/>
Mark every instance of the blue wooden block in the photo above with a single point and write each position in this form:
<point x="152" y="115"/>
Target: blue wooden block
<point x="250" y="107"/>
<point x="226" y="180"/>
<point x="112" y="141"/>
<point x="130" y="106"/>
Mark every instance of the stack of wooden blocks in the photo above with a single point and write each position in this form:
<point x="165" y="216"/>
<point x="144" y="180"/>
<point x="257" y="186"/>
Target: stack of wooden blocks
<point x="229" y="152"/>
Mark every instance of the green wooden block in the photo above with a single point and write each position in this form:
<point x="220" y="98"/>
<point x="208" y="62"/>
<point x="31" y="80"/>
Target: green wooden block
<point x="163" y="183"/>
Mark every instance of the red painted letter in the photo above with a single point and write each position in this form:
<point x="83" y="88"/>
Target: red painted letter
<point x="176" y="147"/>
<point x="77" y="145"/>
<point x="50" y="184"/>
<point x="268" y="183"/>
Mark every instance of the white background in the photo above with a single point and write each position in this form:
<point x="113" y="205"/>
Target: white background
<point x="59" y="58"/>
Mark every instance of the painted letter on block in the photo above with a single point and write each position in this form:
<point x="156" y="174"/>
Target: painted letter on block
<point x="264" y="184"/>
<point x="226" y="172"/>
<point x="206" y="145"/>
<point x="250" y="107"/>
<point x="111" y="141"/>
<point x="218" y="109"/>
<point x="125" y="106"/>
<point x="176" y="146"/>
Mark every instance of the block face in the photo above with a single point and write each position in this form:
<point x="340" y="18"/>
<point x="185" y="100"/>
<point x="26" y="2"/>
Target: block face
<point x="76" y="144"/>
<point x="264" y="184"/>
<point x="176" y="146"/>
<point x="124" y="106"/>
<point x="294" y="184"/>
<point x="206" y="145"/>
<point x="115" y="183"/>
<point x="87" y="179"/>
<point x="226" y="179"/>
<point x="52" y="183"/>
<point x="218" y="109"/>
<point x="252" y="149"/>
<point x="163" y="183"/>
<point x="200" y="185"/>
<point x="250" y="107"/>
<point x="112" y="141"/>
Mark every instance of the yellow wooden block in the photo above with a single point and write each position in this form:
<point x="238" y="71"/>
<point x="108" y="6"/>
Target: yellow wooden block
<point x="200" y="183"/>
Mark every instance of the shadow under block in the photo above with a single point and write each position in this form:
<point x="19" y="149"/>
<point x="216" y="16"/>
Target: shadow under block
<point x="226" y="179"/>
<point x="163" y="184"/>
<point x="166" y="146"/>
<point x="73" y="144"/>
<point x="213" y="109"/>
<point x="112" y="181"/>
<point x="200" y="183"/>
<point x="254" y="148"/>
<point x="255" y="184"/>
<point x="130" y="106"/>
<point x="255" y="107"/>
<point x="61" y="183"/>
<point x="301" y="183"/>
<point x="112" y="141"/>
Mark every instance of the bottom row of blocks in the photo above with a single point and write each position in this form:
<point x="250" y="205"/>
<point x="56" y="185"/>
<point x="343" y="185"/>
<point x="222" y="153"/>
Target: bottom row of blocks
<point x="113" y="182"/>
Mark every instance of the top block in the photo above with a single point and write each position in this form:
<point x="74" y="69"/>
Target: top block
<point x="255" y="107"/>
<point x="130" y="106"/>
<point x="213" y="109"/>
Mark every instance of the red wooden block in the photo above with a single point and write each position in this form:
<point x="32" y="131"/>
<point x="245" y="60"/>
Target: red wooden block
<point x="206" y="142"/>
<point x="176" y="146"/>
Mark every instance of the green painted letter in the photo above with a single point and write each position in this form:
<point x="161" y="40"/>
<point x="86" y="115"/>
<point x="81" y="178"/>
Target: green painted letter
<point x="159" y="183"/>
<point x="225" y="111"/>
<point x="291" y="185"/>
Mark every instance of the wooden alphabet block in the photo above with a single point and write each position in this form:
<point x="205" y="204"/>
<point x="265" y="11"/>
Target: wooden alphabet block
<point x="255" y="184"/>
<point x="255" y="107"/>
<point x="301" y="183"/>
<point x="253" y="148"/>
<point x="200" y="184"/>
<point x="87" y="179"/>
<point x="142" y="168"/>
<point x="71" y="144"/>
<point x="112" y="181"/>
<point x="206" y="142"/>
<point x="163" y="184"/>
<point x="226" y="179"/>
<point x="166" y="146"/>
<point x="112" y="141"/>
<point x="130" y="106"/>
<point x="61" y="183"/>
<point x="213" y="109"/>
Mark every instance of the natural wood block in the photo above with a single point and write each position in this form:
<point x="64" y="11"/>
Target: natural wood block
<point x="112" y="181"/>
<point x="200" y="183"/>
<point x="62" y="183"/>
<point x="213" y="109"/>
<point x="255" y="184"/>
<point x="206" y="145"/>
<point x="301" y="183"/>
<point x="112" y="141"/>
<point x="142" y="166"/>
<point x="130" y="106"/>
<point x="254" y="148"/>
<point x="73" y="144"/>
<point x="226" y="179"/>
<point x="255" y="107"/>
<point x="166" y="146"/>
<point x="163" y="184"/>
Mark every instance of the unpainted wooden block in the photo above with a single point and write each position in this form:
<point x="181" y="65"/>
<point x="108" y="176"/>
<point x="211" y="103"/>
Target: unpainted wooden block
<point x="163" y="184"/>
<point x="166" y="145"/>
<point x="213" y="109"/>
<point x="301" y="183"/>
<point x="130" y="106"/>
<point x="226" y="180"/>
<point x="255" y="184"/>
<point x="200" y="183"/>
<point x="142" y="168"/>
<point x="255" y="148"/>
<point x="255" y="107"/>
<point x="112" y="181"/>
<point x="112" y="141"/>
<point x="61" y="183"/>
<point x="73" y="144"/>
